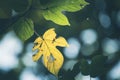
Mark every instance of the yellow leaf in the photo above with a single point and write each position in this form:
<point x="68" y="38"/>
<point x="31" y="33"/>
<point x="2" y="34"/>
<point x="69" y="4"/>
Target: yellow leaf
<point x="60" y="41"/>
<point x="37" y="43"/>
<point x="46" y="46"/>
<point x="37" y="56"/>
<point x="49" y="34"/>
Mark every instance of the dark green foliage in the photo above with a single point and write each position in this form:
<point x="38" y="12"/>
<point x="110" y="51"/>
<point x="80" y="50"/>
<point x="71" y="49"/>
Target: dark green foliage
<point x="95" y="68"/>
<point x="84" y="67"/>
<point x="45" y="2"/>
<point x="21" y="5"/>
<point x="5" y="13"/>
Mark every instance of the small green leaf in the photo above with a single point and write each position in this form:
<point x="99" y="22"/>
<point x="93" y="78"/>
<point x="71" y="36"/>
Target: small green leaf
<point x="84" y="67"/>
<point x="24" y="28"/>
<point x="56" y="16"/>
<point x="97" y="66"/>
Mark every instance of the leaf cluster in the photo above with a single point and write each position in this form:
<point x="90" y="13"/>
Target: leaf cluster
<point x="25" y="13"/>
<point x="95" y="68"/>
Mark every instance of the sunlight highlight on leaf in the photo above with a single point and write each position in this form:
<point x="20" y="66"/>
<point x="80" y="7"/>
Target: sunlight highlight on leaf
<point x="54" y="11"/>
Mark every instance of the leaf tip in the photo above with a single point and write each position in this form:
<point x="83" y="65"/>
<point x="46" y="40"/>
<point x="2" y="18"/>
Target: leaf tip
<point x="68" y="24"/>
<point x="67" y="45"/>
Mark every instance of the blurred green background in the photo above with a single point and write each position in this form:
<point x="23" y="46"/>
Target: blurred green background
<point x="94" y="38"/>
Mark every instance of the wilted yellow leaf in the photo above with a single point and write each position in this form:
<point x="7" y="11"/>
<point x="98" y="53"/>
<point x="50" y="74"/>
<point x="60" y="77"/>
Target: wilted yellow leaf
<point x="46" y="46"/>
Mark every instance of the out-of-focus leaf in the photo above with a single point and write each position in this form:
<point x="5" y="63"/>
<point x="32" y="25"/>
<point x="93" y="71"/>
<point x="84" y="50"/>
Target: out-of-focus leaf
<point x="76" y="69"/>
<point x="97" y="66"/>
<point x="36" y="16"/>
<point x="24" y="28"/>
<point x="84" y="67"/>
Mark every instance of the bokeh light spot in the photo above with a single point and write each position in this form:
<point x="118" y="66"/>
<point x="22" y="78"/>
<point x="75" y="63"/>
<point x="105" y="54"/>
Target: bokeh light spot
<point x="27" y="58"/>
<point x="88" y="50"/>
<point x="27" y="74"/>
<point x="104" y="20"/>
<point x="69" y="64"/>
<point x="10" y="47"/>
<point x="73" y="50"/>
<point x="110" y="46"/>
<point x="88" y="36"/>
<point x="114" y="74"/>
<point x="82" y="77"/>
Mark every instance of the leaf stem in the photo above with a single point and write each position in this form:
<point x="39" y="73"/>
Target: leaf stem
<point x="36" y="33"/>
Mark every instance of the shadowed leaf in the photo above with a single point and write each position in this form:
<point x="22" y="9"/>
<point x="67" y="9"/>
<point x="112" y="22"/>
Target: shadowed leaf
<point x="24" y="28"/>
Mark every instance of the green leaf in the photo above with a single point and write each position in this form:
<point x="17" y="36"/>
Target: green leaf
<point x="72" y="5"/>
<point x="97" y="66"/>
<point x="5" y="13"/>
<point x="24" y="28"/>
<point x="52" y="11"/>
<point x="84" y="67"/>
<point x="56" y="16"/>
